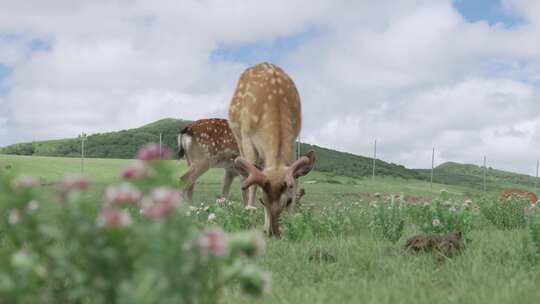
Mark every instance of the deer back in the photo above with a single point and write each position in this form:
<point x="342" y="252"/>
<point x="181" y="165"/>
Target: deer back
<point x="266" y="109"/>
<point x="209" y="138"/>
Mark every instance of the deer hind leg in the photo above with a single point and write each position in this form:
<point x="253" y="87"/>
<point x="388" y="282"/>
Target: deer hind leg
<point x="227" y="181"/>
<point x="190" y="178"/>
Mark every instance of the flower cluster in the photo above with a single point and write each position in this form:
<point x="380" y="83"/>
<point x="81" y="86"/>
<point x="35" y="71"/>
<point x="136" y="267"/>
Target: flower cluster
<point x="162" y="202"/>
<point x="154" y="151"/>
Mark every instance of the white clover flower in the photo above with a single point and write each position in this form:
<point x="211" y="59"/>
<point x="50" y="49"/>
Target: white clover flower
<point x="211" y="217"/>
<point x="435" y="222"/>
<point x="33" y="206"/>
<point x="14" y="216"/>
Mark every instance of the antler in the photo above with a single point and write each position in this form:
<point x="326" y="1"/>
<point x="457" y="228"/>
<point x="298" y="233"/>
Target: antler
<point x="300" y="167"/>
<point x="254" y="175"/>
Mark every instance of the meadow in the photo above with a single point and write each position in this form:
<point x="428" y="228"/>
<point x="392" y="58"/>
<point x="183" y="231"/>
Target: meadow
<point x="346" y="262"/>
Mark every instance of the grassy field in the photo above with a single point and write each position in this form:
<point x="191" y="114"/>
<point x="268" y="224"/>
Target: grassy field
<point x="364" y="269"/>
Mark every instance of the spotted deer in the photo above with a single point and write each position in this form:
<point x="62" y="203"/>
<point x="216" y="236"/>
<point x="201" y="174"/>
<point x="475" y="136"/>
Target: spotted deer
<point x="265" y="118"/>
<point x="205" y="144"/>
<point x="522" y="194"/>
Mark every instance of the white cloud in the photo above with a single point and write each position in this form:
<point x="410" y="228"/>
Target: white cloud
<point x="412" y="73"/>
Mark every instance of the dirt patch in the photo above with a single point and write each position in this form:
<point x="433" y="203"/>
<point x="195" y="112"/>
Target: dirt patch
<point x="321" y="256"/>
<point x="443" y="247"/>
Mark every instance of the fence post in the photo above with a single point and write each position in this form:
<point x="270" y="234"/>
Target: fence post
<point x="83" y="139"/>
<point x="374" y="157"/>
<point x="536" y="179"/>
<point x="432" y="166"/>
<point x="485" y="173"/>
<point x="160" y="146"/>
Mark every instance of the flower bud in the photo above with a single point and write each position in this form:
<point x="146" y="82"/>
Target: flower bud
<point x="249" y="243"/>
<point x="254" y="282"/>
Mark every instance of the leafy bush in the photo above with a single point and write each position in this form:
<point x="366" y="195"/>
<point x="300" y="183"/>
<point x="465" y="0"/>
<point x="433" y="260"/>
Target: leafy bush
<point x="532" y="240"/>
<point x="60" y="246"/>
<point x="504" y="214"/>
<point x="388" y="218"/>
<point x="333" y="221"/>
<point x="443" y="215"/>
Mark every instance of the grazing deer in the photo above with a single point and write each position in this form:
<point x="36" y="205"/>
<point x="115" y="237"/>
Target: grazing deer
<point x="207" y="143"/>
<point x="265" y="118"/>
<point x="521" y="193"/>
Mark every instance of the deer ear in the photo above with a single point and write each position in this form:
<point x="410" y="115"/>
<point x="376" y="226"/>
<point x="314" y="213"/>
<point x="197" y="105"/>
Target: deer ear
<point x="300" y="167"/>
<point x="304" y="164"/>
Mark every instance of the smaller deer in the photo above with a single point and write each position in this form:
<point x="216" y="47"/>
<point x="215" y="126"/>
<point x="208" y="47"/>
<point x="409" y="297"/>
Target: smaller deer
<point x="205" y="144"/>
<point x="524" y="194"/>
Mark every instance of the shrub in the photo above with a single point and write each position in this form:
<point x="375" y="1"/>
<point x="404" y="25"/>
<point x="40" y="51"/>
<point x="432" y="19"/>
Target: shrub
<point x="504" y="214"/>
<point x="60" y="246"/>
<point x="532" y="240"/>
<point x="332" y="221"/>
<point x="443" y="215"/>
<point x="388" y="218"/>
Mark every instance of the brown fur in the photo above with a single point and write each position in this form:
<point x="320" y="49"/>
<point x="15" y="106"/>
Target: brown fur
<point x="212" y="146"/>
<point x="522" y="193"/>
<point x="265" y="118"/>
<point x="443" y="246"/>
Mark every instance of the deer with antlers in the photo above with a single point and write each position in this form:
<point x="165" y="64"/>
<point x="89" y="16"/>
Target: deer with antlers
<point x="265" y="118"/>
<point x="205" y="144"/>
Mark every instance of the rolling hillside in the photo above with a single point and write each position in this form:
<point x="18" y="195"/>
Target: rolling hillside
<point x="468" y="175"/>
<point x="124" y="145"/>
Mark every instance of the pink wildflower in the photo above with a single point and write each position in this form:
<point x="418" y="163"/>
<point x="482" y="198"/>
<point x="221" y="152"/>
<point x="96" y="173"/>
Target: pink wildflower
<point x="153" y="151"/>
<point x="124" y="193"/>
<point x="75" y="183"/>
<point x="25" y="182"/>
<point x="214" y="242"/>
<point x="113" y="218"/>
<point x="162" y="202"/>
<point x="134" y="171"/>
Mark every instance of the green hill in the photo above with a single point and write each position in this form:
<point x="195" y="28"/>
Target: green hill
<point x="121" y="144"/>
<point x="124" y="144"/>
<point x="468" y="175"/>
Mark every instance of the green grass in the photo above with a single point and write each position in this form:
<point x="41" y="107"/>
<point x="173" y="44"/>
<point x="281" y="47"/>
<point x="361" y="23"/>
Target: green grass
<point x="366" y="270"/>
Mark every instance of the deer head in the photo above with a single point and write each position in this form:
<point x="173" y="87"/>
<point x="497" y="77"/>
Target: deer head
<point x="279" y="186"/>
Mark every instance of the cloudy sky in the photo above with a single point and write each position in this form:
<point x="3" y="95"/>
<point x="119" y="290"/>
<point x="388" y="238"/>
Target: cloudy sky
<point x="462" y="76"/>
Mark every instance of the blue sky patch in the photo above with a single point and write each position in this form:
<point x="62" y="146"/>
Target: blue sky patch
<point x="251" y="53"/>
<point x="5" y="71"/>
<point x="490" y="11"/>
<point x="37" y="45"/>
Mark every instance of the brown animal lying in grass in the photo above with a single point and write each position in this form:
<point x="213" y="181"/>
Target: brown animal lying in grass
<point x="443" y="246"/>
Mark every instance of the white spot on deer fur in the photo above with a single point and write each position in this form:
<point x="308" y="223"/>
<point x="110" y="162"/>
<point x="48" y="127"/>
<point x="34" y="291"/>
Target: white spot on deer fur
<point x="270" y="97"/>
<point x="273" y="80"/>
<point x="255" y="118"/>
<point x="281" y="91"/>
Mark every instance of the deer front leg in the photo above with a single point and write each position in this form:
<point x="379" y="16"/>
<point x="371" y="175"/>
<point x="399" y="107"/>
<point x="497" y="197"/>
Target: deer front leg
<point x="249" y="153"/>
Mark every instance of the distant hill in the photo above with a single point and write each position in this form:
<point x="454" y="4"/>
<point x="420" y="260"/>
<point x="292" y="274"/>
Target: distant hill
<point x="120" y="144"/>
<point x="125" y="143"/>
<point x="468" y="175"/>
